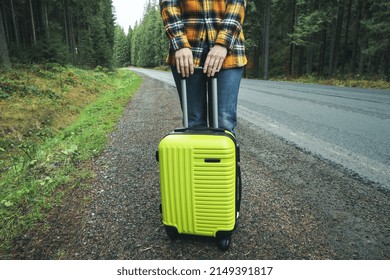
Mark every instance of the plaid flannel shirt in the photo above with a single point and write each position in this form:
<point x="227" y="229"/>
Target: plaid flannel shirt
<point x="188" y="23"/>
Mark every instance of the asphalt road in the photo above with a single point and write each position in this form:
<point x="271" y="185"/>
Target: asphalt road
<point x="346" y="126"/>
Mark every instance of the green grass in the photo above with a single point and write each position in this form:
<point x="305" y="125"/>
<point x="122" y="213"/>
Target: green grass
<point x="39" y="165"/>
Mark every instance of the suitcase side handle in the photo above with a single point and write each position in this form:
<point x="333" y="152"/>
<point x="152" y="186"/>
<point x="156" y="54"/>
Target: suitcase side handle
<point x="214" y="97"/>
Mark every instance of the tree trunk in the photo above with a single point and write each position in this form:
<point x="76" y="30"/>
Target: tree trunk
<point x="346" y="36"/>
<point x="301" y="60"/>
<point x="321" y="63"/>
<point x="339" y="25"/>
<point x="310" y="58"/>
<point x="33" y="24"/>
<point x="356" y="38"/>
<point x="5" y="22"/>
<point x="72" y="38"/>
<point x="363" y="57"/>
<point x="332" y="47"/>
<point x="4" y="54"/>
<point x="292" y="47"/>
<point x="267" y="17"/>
<point x="335" y="36"/>
<point x="45" y="19"/>
<point x="386" y="64"/>
<point x="66" y="23"/>
<point x="16" y="33"/>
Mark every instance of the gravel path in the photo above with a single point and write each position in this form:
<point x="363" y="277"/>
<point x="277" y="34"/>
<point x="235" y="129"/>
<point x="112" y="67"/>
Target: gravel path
<point x="295" y="206"/>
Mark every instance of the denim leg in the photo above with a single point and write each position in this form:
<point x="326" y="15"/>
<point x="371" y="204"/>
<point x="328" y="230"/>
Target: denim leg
<point x="228" y="86"/>
<point x="196" y="98"/>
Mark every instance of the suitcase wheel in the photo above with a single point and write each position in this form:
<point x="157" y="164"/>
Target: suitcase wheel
<point x="171" y="232"/>
<point x="224" y="243"/>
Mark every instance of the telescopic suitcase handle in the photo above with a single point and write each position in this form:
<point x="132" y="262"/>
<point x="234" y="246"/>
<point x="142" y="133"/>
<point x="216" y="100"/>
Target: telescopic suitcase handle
<point x="214" y="97"/>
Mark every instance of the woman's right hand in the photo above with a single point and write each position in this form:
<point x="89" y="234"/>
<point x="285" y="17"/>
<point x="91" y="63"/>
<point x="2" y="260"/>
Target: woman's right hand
<point x="184" y="62"/>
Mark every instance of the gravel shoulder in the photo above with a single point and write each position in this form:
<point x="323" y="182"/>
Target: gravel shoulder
<point x="294" y="206"/>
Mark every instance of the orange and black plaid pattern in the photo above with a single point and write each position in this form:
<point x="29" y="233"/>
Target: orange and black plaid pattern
<point x="189" y="22"/>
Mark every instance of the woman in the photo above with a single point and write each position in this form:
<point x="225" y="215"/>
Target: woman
<point x="207" y="34"/>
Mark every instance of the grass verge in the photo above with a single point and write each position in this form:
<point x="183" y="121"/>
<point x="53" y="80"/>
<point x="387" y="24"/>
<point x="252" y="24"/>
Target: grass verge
<point x="48" y="133"/>
<point x="374" y="83"/>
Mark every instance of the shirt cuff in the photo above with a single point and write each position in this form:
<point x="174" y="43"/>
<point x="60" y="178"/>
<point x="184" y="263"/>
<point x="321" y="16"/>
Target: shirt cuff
<point x="225" y="39"/>
<point x="180" y="42"/>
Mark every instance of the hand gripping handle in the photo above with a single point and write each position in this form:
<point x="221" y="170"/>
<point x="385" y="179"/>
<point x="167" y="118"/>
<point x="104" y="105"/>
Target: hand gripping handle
<point x="214" y="97"/>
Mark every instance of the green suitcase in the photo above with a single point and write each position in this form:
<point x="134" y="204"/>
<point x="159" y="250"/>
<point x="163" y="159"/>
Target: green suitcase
<point x="200" y="181"/>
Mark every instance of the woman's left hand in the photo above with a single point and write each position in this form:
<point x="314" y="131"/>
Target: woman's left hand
<point x="214" y="60"/>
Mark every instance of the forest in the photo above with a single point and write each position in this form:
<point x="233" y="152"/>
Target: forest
<point x="77" y="32"/>
<point x="343" y="38"/>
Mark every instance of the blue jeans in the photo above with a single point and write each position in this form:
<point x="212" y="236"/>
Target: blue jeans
<point x="198" y="98"/>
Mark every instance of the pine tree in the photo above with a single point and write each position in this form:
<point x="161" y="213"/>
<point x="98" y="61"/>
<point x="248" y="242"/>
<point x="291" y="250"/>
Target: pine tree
<point x="148" y="42"/>
<point x="377" y="28"/>
<point x="64" y="31"/>
<point x="4" y="54"/>
<point x="121" y="49"/>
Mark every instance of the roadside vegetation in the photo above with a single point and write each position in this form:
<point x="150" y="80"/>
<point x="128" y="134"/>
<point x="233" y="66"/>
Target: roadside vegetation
<point x="375" y="83"/>
<point x="53" y="120"/>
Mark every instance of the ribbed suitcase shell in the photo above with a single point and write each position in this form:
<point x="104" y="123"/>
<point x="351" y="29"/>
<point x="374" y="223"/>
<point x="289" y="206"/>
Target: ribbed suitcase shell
<point x="198" y="182"/>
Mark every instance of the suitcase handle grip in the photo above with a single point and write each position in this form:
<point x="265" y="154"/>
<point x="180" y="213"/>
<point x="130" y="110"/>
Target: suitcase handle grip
<point x="199" y="71"/>
<point x="214" y="97"/>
